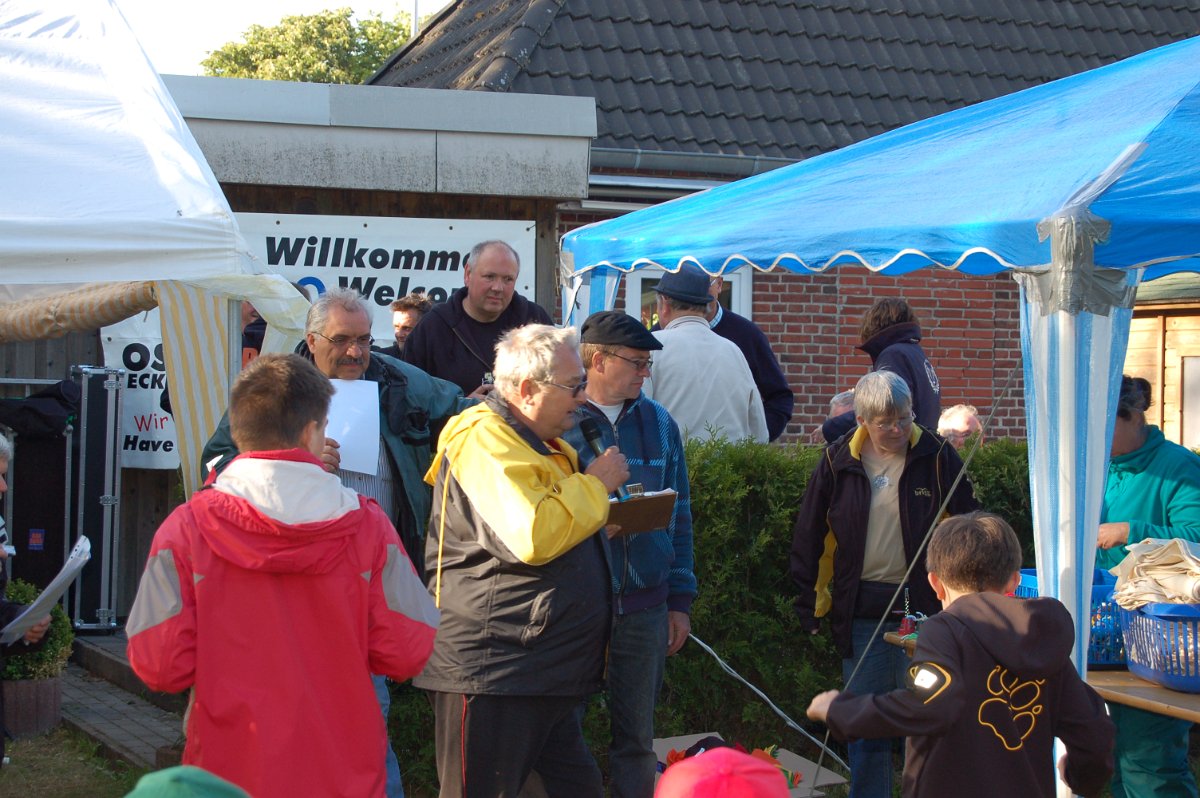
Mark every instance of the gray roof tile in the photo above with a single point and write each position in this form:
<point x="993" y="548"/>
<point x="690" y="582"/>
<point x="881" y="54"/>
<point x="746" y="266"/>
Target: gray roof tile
<point x="776" y="78"/>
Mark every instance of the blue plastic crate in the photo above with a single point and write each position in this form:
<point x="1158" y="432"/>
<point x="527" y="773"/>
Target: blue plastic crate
<point x="1163" y="644"/>
<point x="1106" y="645"/>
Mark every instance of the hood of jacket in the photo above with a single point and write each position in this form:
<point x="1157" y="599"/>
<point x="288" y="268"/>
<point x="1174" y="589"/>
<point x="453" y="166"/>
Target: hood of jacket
<point x="452" y="312"/>
<point x="1004" y="625"/>
<point x="1140" y="458"/>
<point x="456" y="432"/>
<point x="279" y="512"/>
<point x="906" y="333"/>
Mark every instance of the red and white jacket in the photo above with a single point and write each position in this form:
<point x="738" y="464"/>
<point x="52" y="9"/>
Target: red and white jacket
<point x="275" y="593"/>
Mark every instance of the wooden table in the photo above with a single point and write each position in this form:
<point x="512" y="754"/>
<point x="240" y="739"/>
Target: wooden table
<point x="895" y="639"/>
<point x="1122" y="687"/>
<point x="1117" y="686"/>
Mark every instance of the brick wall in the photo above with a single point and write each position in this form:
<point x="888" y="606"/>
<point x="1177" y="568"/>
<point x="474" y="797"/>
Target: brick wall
<point x="971" y="327"/>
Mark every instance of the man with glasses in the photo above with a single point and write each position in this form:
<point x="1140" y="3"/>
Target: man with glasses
<point x="519" y="568"/>
<point x="653" y="580"/>
<point x="338" y="341"/>
<point x="701" y="378"/>
<point x="957" y="424"/>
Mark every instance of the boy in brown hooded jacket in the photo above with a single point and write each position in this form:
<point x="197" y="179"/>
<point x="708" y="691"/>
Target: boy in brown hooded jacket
<point x="991" y="684"/>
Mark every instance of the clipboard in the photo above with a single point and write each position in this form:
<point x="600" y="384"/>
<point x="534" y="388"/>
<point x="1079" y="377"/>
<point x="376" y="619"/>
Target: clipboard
<point x="643" y="513"/>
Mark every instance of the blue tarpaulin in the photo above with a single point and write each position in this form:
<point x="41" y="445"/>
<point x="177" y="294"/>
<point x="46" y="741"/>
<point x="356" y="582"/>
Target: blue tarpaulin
<point x="1082" y="187"/>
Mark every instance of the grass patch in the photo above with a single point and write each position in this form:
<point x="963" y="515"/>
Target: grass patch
<point x="64" y="764"/>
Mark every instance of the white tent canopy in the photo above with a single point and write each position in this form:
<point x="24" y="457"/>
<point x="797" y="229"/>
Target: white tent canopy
<point x="103" y="183"/>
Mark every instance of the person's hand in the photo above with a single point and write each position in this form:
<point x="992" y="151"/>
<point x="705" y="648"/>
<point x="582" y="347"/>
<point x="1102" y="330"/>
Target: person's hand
<point x="38" y="630"/>
<point x="679" y="625"/>
<point x="612" y="530"/>
<point x="482" y="391"/>
<point x="1062" y="768"/>
<point x="331" y="458"/>
<point x="1113" y="534"/>
<point x="610" y="468"/>
<point x="819" y="708"/>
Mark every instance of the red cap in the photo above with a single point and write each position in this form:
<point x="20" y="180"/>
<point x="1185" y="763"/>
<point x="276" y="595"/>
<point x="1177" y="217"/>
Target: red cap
<point x="722" y="773"/>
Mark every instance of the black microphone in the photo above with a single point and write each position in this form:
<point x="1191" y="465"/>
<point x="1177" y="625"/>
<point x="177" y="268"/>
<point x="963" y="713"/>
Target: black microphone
<point x="591" y="434"/>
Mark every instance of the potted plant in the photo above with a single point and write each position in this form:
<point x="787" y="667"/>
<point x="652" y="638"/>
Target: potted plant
<point x="31" y="683"/>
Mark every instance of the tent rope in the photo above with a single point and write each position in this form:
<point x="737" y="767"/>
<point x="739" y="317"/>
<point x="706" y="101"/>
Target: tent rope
<point x="791" y="723"/>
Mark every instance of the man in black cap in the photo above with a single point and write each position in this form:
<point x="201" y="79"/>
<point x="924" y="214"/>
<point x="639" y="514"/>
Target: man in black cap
<point x="652" y="576"/>
<point x="701" y="378"/>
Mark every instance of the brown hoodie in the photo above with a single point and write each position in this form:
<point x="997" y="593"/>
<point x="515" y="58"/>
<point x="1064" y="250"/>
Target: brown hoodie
<point x="990" y="687"/>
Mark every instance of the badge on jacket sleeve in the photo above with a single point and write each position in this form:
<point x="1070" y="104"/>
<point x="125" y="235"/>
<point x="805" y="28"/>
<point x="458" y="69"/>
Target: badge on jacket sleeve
<point x="927" y="680"/>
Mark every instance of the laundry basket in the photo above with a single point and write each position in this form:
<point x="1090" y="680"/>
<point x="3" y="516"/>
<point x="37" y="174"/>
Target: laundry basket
<point x="1106" y="646"/>
<point x="1162" y="643"/>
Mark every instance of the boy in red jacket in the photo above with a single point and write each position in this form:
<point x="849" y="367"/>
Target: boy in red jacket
<point x="991" y="684"/>
<point x="275" y="593"/>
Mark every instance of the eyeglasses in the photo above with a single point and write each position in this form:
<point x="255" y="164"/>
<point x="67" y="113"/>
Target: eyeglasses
<point x="899" y="424"/>
<point x="639" y="364"/>
<point x="344" y="341"/>
<point x="574" y="389"/>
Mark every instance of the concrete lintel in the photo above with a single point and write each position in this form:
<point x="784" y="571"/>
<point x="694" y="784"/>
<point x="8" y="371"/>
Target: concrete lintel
<point x="391" y="107"/>
<point x="384" y="138"/>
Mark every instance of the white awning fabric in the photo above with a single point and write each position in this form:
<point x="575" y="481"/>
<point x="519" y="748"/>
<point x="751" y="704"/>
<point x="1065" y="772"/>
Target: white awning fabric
<point x="106" y="195"/>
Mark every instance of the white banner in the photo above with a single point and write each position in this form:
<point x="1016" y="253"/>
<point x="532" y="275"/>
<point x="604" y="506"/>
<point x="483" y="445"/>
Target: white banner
<point x="381" y="258"/>
<point x="147" y="432"/>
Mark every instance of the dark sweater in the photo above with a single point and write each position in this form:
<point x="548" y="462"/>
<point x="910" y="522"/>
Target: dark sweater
<point x="772" y="385"/>
<point x="898" y="349"/>
<point x="991" y="686"/>
<point x="448" y="344"/>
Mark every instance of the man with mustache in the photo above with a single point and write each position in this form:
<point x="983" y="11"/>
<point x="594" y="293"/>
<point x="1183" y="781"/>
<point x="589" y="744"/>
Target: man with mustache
<point x="456" y="341"/>
<point x="338" y="341"/>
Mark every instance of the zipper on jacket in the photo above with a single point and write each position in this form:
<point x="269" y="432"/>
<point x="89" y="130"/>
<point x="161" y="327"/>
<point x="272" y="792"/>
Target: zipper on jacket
<point x="624" y="538"/>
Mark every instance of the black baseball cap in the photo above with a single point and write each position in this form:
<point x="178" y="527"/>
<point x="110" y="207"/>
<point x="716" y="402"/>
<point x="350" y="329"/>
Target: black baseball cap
<point x="614" y="328"/>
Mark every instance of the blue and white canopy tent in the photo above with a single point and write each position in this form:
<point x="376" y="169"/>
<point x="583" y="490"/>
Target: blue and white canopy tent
<point x="1081" y="188"/>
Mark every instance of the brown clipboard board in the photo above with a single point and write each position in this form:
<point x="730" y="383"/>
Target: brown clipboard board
<point x="642" y="513"/>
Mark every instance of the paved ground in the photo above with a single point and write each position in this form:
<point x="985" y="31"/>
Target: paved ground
<point x="126" y="726"/>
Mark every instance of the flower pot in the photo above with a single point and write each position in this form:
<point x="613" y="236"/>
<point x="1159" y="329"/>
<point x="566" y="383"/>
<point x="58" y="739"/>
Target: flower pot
<point x="31" y="706"/>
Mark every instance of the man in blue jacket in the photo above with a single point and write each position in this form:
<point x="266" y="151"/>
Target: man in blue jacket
<point x="653" y="577"/>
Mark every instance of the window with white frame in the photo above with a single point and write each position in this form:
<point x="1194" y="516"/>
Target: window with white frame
<point x="737" y="294"/>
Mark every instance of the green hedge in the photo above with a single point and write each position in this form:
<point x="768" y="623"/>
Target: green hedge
<point x="51" y="659"/>
<point x="744" y="498"/>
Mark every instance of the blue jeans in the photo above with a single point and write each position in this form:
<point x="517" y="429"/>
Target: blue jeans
<point x="883" y="670"/>
<point x="395" y="787"/>
<point x="637" y="656"/>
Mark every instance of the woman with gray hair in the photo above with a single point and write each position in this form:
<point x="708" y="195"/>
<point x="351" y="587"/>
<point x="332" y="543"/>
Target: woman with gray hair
<point x="869" y="504"/>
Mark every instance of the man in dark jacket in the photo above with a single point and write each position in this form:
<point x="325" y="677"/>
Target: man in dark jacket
<point x="777" y="398"/>
<point x="518" y="566"/>
<point x="991" y="685"/>
<point x="654" y="581"/>
<point x="456" y="340"/>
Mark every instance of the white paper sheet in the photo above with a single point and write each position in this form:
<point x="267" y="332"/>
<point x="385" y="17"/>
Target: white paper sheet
<point x="354" y="424"/>
<point x="42" y="605"/>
